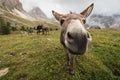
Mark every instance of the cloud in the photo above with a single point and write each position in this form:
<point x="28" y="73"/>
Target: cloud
<point x="106" y="7"/>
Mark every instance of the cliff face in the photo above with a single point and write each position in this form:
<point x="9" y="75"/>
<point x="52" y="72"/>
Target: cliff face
<point x="12" y="4"/>
<point x="37" y="13"/>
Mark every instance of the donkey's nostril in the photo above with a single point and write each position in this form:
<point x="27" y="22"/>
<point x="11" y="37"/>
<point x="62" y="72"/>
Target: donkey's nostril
<point x="69" y="35"/>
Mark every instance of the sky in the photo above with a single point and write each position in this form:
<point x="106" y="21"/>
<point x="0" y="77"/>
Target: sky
<point x="106" y="7"/>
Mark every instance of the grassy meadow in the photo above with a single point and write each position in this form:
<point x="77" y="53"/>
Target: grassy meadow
<point x="41" y="57"/>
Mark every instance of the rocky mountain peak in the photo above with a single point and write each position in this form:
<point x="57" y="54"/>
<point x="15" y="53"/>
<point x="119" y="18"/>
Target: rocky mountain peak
<point x="12" y="4"/>
<point x="37" y="13"/>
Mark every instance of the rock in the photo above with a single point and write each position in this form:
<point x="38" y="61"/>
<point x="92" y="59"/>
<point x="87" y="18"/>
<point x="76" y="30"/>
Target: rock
<point x="4" y="72"/>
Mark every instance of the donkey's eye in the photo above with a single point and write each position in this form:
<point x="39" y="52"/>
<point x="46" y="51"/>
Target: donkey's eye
<point x="84" y="21"/>
<point x="61" y="21"/>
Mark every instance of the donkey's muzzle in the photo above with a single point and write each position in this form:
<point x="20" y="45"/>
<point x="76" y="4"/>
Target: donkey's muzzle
<point x="77" y="43"/>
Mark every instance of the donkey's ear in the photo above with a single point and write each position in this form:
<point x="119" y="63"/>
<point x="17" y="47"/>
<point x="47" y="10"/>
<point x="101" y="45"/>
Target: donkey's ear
<point x="57" y="15"/>
<point x="87" y="11"/>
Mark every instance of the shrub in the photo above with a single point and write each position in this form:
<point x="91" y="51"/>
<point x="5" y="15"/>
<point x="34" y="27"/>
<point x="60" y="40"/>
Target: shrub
<point x="23" y="28"/>
<point x="4" y="27"/>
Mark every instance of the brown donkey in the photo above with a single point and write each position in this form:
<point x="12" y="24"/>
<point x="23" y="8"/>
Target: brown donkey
<point x="74" y="37"/>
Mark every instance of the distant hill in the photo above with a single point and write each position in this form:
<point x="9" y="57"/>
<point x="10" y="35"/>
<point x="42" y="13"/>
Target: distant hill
<point x="37" y="13"/>
<point x="105" y="21"/>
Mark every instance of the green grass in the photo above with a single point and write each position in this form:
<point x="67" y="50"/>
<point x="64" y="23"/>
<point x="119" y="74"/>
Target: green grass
<point x="41" y="57"/>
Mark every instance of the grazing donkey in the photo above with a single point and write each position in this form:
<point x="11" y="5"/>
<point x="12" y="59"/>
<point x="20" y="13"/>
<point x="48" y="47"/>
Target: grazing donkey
<point x="45" y="30"/>
<point x="41" y="28"/>
<point x="74" y="37"/>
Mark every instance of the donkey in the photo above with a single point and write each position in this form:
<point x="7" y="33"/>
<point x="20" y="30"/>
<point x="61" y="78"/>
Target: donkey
<point x="74" y="37"/>
<point x="39" y="28"/>
<point x="45" y="30"/>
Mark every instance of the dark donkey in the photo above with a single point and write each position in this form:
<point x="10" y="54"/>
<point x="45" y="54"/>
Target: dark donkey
<point x="74" y="37"/>
<point x="41" y="28"/>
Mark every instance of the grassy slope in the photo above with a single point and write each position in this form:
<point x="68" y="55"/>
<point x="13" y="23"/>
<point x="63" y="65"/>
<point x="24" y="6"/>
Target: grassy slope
<point x="43" y="57"/>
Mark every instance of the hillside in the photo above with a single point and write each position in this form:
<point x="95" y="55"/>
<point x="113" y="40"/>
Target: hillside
<point x="33" y="57"/>
<point x="13" y="12"/>
<point x="14" y="19"/>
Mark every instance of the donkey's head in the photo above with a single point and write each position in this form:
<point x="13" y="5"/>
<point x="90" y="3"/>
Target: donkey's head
<point x="74" y="36"/>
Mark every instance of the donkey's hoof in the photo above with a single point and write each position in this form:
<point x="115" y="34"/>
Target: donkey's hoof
<point x="72" y="72"/>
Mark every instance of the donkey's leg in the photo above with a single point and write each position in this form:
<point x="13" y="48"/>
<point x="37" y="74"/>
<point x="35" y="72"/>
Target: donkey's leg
<point x="47" y="32"/>
<point x="43" y="32"/>
<point x="67" y="58"/>
<point x="36" y="31"/>
<point x="72" y="59"/>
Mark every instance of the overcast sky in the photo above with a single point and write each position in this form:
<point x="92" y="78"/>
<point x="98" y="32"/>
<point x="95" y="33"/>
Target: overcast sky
<point x="106" y="7"/>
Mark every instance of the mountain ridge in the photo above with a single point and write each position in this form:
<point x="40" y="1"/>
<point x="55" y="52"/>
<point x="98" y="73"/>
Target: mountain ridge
<point x="37" y="13"/>
<point x="104" y="21"/>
